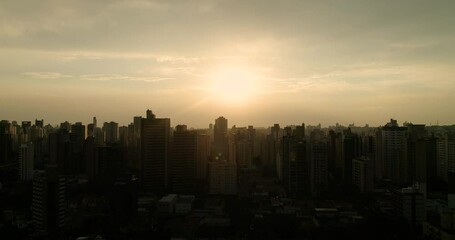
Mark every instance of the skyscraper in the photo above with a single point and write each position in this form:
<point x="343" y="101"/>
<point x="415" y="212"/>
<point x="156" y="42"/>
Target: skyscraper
<point x="220" y="141"/>
<point x="295" y="164"/>
<point x="319" y="160"/>
<point x="203" y="155"/>
<point x="155" y="136"/>
<point x="445" y="156"/>
<point x="77" y="138"/>
<point x="416" y="156"/>
<point x="184" y="160"/>
<point x="110" y="132"/>
<point x="363" y="173"/>
<point x="26" y="157"/>
<point x="223" y="178"/>
<point x="393" y="148"/>
<point x="49" y="201"/>
<point x="351" y="150"/>
<point x="59" y="147"/>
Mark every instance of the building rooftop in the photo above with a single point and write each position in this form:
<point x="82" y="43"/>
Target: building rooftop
<point x="169" y="198"/>
<point x="186" y="199"/>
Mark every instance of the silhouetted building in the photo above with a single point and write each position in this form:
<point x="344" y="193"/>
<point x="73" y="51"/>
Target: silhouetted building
<point x="26" y="162"/>
<point x="65" y="125"/>
<point x="451" y="189"/>
<point x="91" y="128"/>
<point x="49" y="201"/>
<point x="363" y="173"/>
<point x="220" y="141"/>
<point x="203" y="155"/>
<point x="245" y="138"/>
<point x="223" y="178"/>
<point x="394" y="150"/>
<point x="445" y="156"/>
<point x="416" y="157"/>
<point x="123" y="200"/>
<point x="39" y="123"/>
<point x="296" y="165"/>
<point x="183" y="167"/>
<point x="432" y="158"/>
<point x="336" y="156"/>
<point x="410" y="204"/>
<point x="155" y="134"/>
<point x="59" y="150"/>
<point x="110" y="132"/>
<point x="318" y="165"/>
<point x="351" y="150"/>
<point x="90" y="157"/>
<point x="77" y="138"/>
<point x="110" y="163"/>
<point x="123" y="135"/>
<point x="6" y="146"/>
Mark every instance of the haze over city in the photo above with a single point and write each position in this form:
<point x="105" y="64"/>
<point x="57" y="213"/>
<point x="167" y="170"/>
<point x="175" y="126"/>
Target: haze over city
<point x="256" y="62"/>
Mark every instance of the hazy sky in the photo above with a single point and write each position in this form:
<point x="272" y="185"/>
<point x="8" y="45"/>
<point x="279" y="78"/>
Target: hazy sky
<point x="309" y="61"/>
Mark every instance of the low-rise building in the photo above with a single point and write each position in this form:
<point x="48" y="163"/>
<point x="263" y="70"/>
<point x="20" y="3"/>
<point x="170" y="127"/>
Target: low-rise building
<point x="184" y="203"/>
<point x="167" y="204"/>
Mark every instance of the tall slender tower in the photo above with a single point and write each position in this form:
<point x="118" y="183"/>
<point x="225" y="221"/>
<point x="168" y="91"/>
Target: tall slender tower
<point x="155" y="134"/>
<point x="220" y="143"/>
<point x="49" y="201"/>
<point x="394" y="148"/>
<point x="184" y="160"/>
<point x="26" y="156"/>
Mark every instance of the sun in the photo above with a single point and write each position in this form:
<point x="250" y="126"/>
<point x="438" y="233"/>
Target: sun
<point x="233" y="84"/>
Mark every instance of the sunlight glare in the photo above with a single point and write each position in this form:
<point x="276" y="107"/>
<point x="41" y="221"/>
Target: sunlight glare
<point x="233" y="84"/>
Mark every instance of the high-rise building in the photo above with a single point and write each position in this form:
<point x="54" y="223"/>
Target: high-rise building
<point x="123" y="201"/>
<point x="363" y="173"/>
<point x="295" y="164"/>
<point x="379" y="172"/>
<point x="432" y="158"/>
<point x="410" y="203"/>
<point x="6" y="147"/>
<point x="232" y="148"/>
<point x="223" y="178"/>
<point x="77" y="136"/>
<point x="39" y="123"/>
<point x="26" y="162"/>
<point x="137" y="140"/>
<point x="244" y="140"/>
<point x="65" y="125"/>
<point x="318" y="158"/>
<point x="445" y="156"/>
<point x="183" y="167"/>
<point x="155" y="143"/>
<point x="415" y="166"/>
<point x="220" y="141"/>
<point x="203" y="156"/>
<point x="49" y="201"/>
<point x="91" y="128"/>
<point x="109" y="163"/>
<point x="90" y="157"/>
<point x="123" y="135"/>
<point x="394" y="150"/>
<point x="110" y="132"/>
<point x="59" y="149"/>
<point x="351" y="150"/>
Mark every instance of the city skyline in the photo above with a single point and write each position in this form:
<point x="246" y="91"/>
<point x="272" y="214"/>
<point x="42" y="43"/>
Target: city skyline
<point x="256" y="62"/>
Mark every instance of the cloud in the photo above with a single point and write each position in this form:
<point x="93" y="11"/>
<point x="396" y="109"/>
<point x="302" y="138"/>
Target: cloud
<point x="95" y="77"/>
<point x="46" y="75"/>
<point x="119" y="77"/>
<point x="413" y="45"/>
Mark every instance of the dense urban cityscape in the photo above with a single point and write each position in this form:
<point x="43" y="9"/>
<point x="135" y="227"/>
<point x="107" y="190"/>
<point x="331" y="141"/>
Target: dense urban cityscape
<point x="151" y="179"/>
<point x="227" y="119"/>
